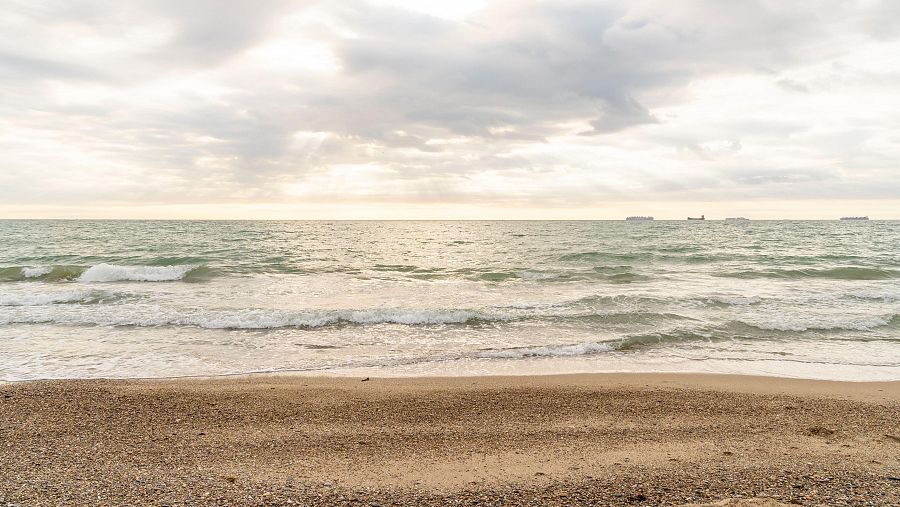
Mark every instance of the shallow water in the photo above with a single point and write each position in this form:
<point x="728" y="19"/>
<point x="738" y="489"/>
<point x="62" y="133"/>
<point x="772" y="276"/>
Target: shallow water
<point x="169" y="298"/>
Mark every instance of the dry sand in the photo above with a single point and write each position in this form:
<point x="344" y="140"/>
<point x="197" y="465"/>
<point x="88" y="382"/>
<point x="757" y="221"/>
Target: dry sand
<point x="605" y="439"/>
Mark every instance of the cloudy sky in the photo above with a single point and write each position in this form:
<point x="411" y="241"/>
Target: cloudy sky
<point x="462" y="109"/>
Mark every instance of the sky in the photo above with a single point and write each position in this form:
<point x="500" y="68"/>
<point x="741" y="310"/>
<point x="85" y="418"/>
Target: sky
<point x="304" y="109"/>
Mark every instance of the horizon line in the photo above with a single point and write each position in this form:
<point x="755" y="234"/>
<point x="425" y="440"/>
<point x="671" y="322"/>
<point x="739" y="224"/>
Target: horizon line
<point x="727" y="219"/>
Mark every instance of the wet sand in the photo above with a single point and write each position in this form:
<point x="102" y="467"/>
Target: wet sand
<point x="600" y="439"/>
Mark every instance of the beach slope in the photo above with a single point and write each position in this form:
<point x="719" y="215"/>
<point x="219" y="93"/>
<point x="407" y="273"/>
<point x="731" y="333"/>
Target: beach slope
<point x="602" y="439"/>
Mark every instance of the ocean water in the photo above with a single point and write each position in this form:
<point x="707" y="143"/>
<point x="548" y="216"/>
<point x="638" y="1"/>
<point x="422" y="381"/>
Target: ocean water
<point x="83" y="299"/>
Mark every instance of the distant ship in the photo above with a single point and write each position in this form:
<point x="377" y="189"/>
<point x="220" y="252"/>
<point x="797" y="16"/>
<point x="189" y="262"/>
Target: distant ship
<point x="737" y="219"/>
<point x="854" y="218"/>
<point x="639" y="219"/>
<point x="701" y="217"/>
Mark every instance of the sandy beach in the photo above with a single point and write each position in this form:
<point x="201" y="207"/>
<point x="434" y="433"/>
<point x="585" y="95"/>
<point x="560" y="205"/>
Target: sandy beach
<point x="600" y="439"/>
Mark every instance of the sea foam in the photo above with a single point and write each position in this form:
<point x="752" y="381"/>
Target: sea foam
<point x="115" y="273"/>
<point x="823" y="323"/>
<point x="576" y="349"/>
<point x="29" y="272"/>
<point x="49" y="298"/>
<point x="269" y="319"/>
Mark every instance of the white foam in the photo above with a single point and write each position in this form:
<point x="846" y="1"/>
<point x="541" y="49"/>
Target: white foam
<point x="268" y="319"/>
<point x="534" y="275"/>
<point x="36" y="271"/>
<point x="824" y="323"/>
<point x="579" y="349"/>
<point x="412" y="317"/>
<point x="738" y="300"/>
<point x="153" y="316"/>
<point x="115" y="273"/>
<point x="40" y="299"/>
<point x="886" y="295"/>
<point x="255" y="319"/>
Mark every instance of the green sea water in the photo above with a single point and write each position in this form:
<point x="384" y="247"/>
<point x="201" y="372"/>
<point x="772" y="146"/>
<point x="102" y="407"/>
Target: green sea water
<point x="170" y="298"/>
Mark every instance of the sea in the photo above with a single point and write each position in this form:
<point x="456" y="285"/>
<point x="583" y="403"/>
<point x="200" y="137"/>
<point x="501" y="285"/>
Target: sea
<point x="125" y="299"/>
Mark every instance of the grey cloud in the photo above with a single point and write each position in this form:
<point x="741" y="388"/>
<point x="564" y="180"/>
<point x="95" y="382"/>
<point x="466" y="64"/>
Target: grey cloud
<point x="621" y="115"/>
<point x="779" y="176"/>
<point x="427" y="97"/>
<point x="532" y="67"/>
<point x="792" y="86"/>
<point x="881" y="19"/>
<point x="209" y="32"/>
<point x="22" y="67"/>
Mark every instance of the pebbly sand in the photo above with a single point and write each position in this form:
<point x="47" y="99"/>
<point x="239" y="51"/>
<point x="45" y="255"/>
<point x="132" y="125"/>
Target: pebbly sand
<point x="600" y="439"/>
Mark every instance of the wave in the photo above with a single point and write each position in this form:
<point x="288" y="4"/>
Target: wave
<point x="645" y="302"/>
<point x="612" y="270"/>
<point x="610" y="256"/>
<point x="731" y="330"/>
<point x="36" y="272"/>
<point x="504" y="276"/>
<point x="843" y="273"/>
<point x="177" y="261"/>
<point x="153" y="316"/>
<point x="106" y="273"/>
<point x="250" y="318"/>
<point x="626" y="278"/>
<point x="49" y="298"/>
<point x="116" y="273"/>
<point x="602" y="274"/>
<point x="576" y="349"/>
<point x="841" y="323"/>
<point x="538" y="275"/>
<point x="497" y="276"/>
<point x="884" y="296"/>
<point x="734" y="300"/>
<point x="626" y="343"/>
<point x="40" y="273"/>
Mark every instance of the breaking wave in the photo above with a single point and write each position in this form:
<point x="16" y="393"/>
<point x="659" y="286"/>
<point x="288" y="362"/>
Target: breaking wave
<point x="40" y="273"/>
<point x="115" y="273"/>
<point x="248" y="319"/>
<point x="36" y="272"/>
<point x="837" y="323"/>
<point x="39" y="299"/>
<point x="262" y="319"/>
<point x="601" y="273"/>
<point x="735" y="300"/>
<point x="106" y="273"/>
<point x="577" y="349"/>
<point x="623" y="344"/>
<point x="732" y="330"/>
<point x="844" y="273"/>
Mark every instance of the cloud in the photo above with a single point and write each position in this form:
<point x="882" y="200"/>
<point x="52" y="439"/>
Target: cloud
<point x="791" y="85"/>
<point x="538" y="103"/>
<point x="209" y="32"/>
<point x="18" y="67"/>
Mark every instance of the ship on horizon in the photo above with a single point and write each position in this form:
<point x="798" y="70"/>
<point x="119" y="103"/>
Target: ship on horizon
<point x="639" y="218"/>
<point x="701" y="217"/>
<point x="854" y="218"/>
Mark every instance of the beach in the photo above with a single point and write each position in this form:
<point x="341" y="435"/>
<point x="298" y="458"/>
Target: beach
<point x="473" y="253"/>
<point x="596" y="439"/>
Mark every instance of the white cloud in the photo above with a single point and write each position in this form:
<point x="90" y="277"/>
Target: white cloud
<point x="540" y="105"/>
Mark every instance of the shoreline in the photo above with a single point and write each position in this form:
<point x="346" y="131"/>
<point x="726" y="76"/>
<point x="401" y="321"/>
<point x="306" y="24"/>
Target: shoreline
<point x="737" y="382"/>
<point x="613" y="438"/>
<point x="392" y="374"/>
